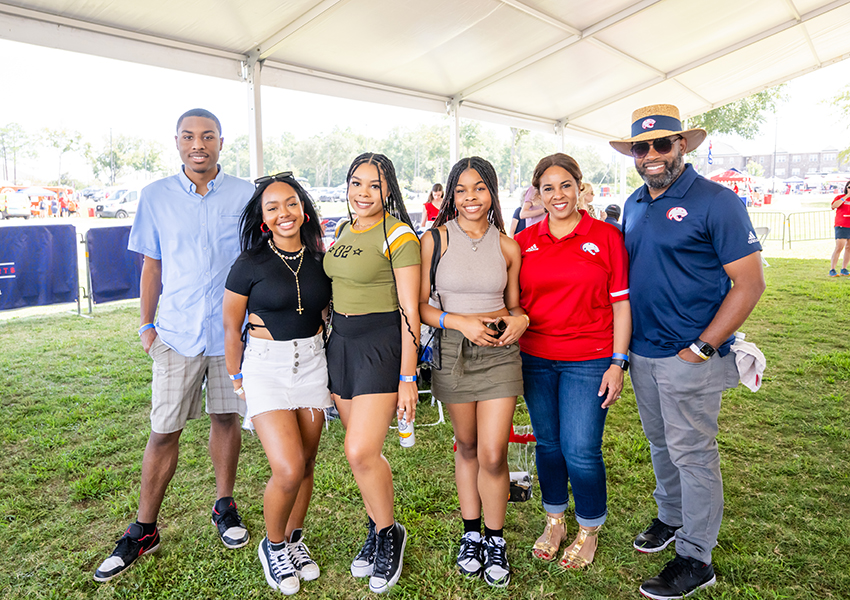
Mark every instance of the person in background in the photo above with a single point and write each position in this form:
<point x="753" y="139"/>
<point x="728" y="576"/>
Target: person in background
<point x="517" y="223"/>
<point x="575" y="289"/>
<point x="612" y="216"/>
<point x="372" y="350"/>
<point x="432" y="205"/>
<point x="187" y="228"/>
<point x="532" y="207"/>
<point x="279" y="281"/>
<point x="841" y="206"/>
<point x="695" y="276"/>
<point x="477" y="282"/>
<point x="585" y="199"/>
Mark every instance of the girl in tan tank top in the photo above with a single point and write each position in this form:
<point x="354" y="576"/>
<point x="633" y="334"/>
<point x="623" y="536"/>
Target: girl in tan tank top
<point x="481" y="376"/>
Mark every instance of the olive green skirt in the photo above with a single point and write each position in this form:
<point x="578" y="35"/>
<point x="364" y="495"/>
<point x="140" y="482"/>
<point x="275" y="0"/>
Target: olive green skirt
<point x="473" y="373"/>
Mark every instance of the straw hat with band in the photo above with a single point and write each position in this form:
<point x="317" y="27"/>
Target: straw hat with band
<point x="658" y="121"/>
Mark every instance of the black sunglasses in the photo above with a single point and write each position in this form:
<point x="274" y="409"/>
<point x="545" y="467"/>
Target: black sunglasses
<point x="661" y="145"/>
<point x="276" y="177"/>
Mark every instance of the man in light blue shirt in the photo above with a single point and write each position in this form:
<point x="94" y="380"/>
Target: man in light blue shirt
<point x="187" y="228"/>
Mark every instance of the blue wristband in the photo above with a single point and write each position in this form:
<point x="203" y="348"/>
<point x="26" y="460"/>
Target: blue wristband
<point x="145" y="327"/>
<point x="407" y="378"/>
<point x="443" y="320"/>
<point x="236" y="377"/>
<point x="620" y="356"/>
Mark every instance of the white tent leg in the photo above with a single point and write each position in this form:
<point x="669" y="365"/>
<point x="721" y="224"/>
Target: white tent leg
<point x="255" y="144"/>
<point x="453" y="108"/>
<point x="559" y="134"/>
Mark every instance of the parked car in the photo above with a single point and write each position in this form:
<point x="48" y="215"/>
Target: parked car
<point x="120" y="204"/>
<point x="14" y="204"/>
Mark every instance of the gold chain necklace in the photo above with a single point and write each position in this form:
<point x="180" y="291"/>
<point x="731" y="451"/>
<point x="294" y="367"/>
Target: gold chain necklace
<point x="474" y="242"/>
<point x="294" y="271"/>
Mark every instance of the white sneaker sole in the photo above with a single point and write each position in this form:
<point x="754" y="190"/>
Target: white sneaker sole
<point x="127" y="568"/>
<point x="653" y="550"/>
<point x="708" y="583"/>
<point x="362" y="571"/>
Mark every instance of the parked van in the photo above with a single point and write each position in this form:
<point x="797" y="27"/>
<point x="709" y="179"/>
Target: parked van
<point x="14" y="204"/>
<point x="121" y="204"/>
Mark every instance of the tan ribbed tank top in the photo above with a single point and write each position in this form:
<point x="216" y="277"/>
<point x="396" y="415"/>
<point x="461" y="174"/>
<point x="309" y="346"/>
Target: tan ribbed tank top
<point x="472" y="281"/>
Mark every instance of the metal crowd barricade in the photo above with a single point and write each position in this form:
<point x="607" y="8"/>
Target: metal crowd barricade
<point x="775" y="221"/>
<point x="808" y="226"/>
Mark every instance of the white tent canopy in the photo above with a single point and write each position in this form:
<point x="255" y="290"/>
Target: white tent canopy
<point x="547" y="65"/>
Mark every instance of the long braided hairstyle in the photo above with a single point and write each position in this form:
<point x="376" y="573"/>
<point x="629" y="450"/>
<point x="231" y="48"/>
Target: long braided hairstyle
<point x="393" y="204"/>
<point x="485" y="170"/>
<point x="254" y="239"/>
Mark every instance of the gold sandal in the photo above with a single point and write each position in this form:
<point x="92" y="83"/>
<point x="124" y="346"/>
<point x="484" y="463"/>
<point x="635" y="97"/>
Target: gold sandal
<point x="571" y="558"/>
<point x="546" y="550"/>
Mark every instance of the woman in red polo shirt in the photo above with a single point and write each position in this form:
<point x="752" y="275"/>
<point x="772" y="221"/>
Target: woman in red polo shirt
<point x="841" y="206"/>
<point x="574" y="287"/>
<point x="432" y="205"/>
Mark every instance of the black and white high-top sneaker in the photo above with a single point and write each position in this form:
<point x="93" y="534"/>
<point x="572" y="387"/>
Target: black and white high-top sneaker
<point x="388" y="558"/>
<point x="307" y="568"/>
<point x="281" y="574"/>
<point x="497" y="571"/>
<point x="364" y="562"/>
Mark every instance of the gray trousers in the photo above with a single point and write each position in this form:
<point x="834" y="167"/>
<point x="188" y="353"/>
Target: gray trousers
<point x="679" y="403"/>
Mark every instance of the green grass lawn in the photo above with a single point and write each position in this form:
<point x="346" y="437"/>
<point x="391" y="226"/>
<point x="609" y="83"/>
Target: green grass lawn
<point x="75" y="421"/>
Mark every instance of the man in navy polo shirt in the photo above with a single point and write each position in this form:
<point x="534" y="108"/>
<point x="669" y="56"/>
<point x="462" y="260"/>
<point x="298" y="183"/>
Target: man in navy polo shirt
<point x="187" y="228"/>
<point x="695" y="276"/>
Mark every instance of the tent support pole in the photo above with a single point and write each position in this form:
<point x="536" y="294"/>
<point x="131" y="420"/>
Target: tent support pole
<point x="255" y="144"/>
<point x="559" y="134"/>
<point x="453" y="108"/>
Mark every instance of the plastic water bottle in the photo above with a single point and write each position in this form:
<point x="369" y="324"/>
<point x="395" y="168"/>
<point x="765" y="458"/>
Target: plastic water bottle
<point x="406" y="435"/>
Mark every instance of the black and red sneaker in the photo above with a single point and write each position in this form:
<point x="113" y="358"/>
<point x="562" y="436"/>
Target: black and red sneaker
<point x="131" y="546"/>
<point x="230" y="527"/>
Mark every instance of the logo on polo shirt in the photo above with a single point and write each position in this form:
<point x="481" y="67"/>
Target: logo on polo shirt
<point x="677" y="213"/>
<point x="590" y="248"/>
<point x="532" y="248"/>
<point x="752" y="239"/>
<point x="648" y="123"/>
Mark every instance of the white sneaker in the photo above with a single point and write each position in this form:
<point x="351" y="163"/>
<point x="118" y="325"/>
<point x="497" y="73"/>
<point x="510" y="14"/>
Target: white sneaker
<point x="470" y="558"/>
<point x="307" y="568"/>
<point x="277" y="565"/>
<point x="497" y="571"/>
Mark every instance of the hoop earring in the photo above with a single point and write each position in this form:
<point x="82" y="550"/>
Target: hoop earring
<point x="264" y="228"/>
<point x="306" y="218"/>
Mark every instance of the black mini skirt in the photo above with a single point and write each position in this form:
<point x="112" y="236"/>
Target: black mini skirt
<point x="364" y="354"/>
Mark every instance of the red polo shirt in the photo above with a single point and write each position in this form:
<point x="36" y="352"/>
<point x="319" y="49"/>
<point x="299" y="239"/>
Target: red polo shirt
<point x="842" y="213"/>
<point x="567" y="287"/>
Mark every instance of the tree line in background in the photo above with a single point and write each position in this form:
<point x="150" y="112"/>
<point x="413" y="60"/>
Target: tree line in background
<point x="420" y="154"/>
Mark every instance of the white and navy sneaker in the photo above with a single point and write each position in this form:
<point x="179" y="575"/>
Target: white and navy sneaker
<point x="364" y="563"/>
<point x="230" y="527"/>
<point x="281" y="574"/>
<point x="497" y="571"/>
<point x="307" y="568"/>
<point x="131" y="546"/>
<point x="470" y="557"/>
<point x="389" y="558"/>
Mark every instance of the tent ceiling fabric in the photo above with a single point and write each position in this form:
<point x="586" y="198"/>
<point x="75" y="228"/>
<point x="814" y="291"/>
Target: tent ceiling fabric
<point x="530" y="63"/>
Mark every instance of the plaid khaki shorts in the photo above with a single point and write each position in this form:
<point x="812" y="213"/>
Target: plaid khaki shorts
<point x="178" y="385"/>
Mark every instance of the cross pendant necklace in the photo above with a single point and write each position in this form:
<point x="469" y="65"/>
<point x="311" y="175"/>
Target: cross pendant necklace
<point x="293" y="271"/>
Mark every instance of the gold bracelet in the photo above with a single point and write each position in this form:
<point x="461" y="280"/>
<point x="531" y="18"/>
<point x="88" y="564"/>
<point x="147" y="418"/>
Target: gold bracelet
<point x="527" y="321"/>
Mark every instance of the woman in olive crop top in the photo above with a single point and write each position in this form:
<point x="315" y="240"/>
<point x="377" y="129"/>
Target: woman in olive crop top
<point x="372" y="350"/>
<point x="477" y="297"/>
<point x="279" y="281"/>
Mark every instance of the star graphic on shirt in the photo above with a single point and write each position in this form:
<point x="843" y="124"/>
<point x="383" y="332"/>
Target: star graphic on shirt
<point x="358" y="252"/>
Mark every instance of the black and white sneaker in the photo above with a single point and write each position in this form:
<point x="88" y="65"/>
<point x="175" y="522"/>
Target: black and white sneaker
<point x="307" y="568"/>
<point x="364" y="563"/>
<point x="131" y="546"/>
<point x="470" y="558"/>
<point x="281" y="574"/>
<point x="497" y="571"/>
<point x="226" y="518"/>
<point x="681" y="577"/>
<point x="388" y="558"/>
<point x="656" y="537"/>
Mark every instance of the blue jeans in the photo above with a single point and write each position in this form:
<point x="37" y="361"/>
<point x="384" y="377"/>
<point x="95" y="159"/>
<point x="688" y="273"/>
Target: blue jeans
<point x="568" y="419"/>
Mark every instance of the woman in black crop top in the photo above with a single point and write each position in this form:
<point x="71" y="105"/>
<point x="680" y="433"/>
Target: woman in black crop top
<point x="279" y="281"/>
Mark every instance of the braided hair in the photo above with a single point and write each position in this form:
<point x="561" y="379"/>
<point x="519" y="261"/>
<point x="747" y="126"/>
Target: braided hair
<point x="393" y="204"/>
<point x="485" y="170"/>
<point x="252" y="238"/>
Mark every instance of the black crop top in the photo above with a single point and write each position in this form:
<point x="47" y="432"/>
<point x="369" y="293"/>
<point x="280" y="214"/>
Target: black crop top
<point x="270" y="287"/>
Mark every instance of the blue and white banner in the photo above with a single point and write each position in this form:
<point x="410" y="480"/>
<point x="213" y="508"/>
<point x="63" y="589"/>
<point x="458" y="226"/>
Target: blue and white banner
<point x="38" y="265"/>
<point x="115" y="271"/>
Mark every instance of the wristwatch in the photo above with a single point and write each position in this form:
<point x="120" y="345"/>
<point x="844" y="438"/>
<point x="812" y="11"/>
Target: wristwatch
<point x="703" y="349"/>
<point x="622" y="363"/>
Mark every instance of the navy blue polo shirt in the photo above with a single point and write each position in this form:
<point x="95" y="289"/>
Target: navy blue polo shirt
<point x="677" y="245"/>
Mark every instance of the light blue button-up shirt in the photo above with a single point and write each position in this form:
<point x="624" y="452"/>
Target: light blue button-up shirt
<point x="197" y="239"/>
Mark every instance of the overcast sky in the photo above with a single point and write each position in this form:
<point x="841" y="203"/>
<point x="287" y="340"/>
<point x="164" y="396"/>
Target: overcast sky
<point x="42" y="87"/>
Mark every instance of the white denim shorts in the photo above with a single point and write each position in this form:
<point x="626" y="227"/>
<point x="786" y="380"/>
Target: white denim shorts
<point x="285" y="375"/>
